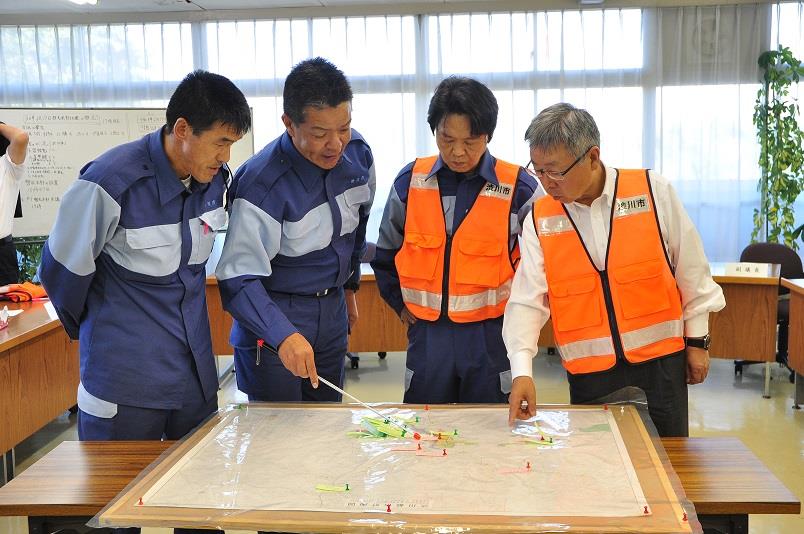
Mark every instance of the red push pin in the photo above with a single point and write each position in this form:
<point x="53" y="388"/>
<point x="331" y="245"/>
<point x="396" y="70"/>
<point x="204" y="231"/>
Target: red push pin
<point x="426" y="407"/>
<point x="684" y="517"/>
<point x="419" y="447"/>
<point x="605" y="406"/>
<point x="445" y="452"/>
<point x="140" y="503"/>
<point x="527" y="466"/>
<point x="387" y="507"/>
<point x="646" y="510"/>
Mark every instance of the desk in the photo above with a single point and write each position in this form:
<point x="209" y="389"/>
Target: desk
<point x="722" y="478"/>
<point x="378" y="330"/>
<point x="38" y="376"/>
<point x="746" y="328"/>
<point x="795" y="348"/>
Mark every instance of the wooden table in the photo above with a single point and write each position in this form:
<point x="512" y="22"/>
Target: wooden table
<point x="795" y="348"/>
<point x="746" y="328"/>
<point x="721" y="476"/>
<point x="378" y="330"/>
<point x="38" y="376"/>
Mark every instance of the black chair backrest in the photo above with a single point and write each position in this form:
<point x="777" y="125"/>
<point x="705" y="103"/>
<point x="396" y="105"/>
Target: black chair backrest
<point x="775" y="253"/>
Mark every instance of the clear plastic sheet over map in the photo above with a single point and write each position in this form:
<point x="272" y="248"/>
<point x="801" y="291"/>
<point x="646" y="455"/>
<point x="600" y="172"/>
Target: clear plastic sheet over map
<point x="334" y="468"/>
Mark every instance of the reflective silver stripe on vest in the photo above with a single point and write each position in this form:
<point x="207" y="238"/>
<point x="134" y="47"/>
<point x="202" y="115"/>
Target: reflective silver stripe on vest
<point x="651" y="334"/>
<point x="555" y="224"/>
<point x="423" y="181"/>
<point x="589" y="347"/>
<point x="422" y="298"/>
<point x="476" y="301"/>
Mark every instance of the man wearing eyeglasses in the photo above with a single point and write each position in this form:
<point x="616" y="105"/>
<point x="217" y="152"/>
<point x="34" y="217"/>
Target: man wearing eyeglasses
<point x="613" y="257"/>
<point x="448" y="248"/>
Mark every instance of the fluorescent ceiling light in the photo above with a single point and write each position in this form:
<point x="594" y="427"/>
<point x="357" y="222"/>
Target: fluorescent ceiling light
<point x="82" y="2"/>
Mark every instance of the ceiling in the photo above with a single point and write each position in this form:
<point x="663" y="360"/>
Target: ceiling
<point x="162" y="6"/>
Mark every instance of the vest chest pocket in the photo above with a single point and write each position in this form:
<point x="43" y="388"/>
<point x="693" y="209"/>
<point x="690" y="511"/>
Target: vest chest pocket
<point x="203" y="230"/>
<point x="477" y="262"/>
<point x="575" y="304"/>
<point x="350" y="207"/>
<point x="641" y="289"/>
<point x="306" y="235"/>
<point x="418" y="257"/>
<point x="154" y="251"/>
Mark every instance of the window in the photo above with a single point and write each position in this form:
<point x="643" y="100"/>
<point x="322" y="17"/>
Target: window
<point x="671" y="88"/>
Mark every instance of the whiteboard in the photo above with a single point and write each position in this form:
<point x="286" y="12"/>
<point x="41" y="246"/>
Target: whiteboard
<point x="63" y="140"/>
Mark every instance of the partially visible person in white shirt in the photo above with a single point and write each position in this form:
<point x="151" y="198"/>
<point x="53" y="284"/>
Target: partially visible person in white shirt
<point x="601" y="365"/>
<point x="13" y="149"/>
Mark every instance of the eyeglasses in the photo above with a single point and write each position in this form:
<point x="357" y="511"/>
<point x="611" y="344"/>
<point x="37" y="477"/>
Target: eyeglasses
<point x="556" y="176"/>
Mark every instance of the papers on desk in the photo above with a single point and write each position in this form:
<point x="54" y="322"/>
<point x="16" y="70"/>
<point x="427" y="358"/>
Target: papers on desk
<point x="51" y="311"/>
<point x="745" y="268"/>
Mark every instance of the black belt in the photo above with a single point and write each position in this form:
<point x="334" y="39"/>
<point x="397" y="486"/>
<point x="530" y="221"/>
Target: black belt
<point x="322" y="293"/>
<point x="6" y="240"/>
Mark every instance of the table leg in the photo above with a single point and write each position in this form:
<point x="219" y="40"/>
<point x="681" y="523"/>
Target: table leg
<point x="798" y="392"/>
<point x="767" y="380"/>
<point x="724" y="524"/>
<point x="7" y="467"/>
<point x="77" y="524"/>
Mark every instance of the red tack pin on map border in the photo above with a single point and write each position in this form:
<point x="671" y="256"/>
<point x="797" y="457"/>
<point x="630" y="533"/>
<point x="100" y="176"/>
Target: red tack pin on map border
<point x="388" y="508"/>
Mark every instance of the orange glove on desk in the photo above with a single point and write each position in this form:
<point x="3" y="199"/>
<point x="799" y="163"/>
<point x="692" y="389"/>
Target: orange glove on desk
<point x="22" y="292"/>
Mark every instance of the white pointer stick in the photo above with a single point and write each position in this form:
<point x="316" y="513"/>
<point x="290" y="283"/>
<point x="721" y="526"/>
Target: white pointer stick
<point x="416" y="435"/>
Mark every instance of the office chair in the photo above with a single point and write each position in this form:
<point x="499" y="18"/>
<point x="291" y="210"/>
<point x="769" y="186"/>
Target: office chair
<point x="790" y="268"/>
<point x="368" y="255"/>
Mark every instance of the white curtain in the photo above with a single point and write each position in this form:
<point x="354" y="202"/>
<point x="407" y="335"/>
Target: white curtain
<point x="671" y="88"/>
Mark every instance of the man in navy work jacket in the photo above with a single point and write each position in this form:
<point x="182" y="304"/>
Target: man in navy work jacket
<point x="294" y="242"/>
<point x="448" y="248"/>
<point x="125" y="267"/>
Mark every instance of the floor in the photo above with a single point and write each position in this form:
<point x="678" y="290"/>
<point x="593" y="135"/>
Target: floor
<point x="724" y="405"/>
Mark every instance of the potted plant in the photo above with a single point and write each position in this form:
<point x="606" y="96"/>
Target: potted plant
<point x="781" y="156"/>
<point x="29" y="255"/>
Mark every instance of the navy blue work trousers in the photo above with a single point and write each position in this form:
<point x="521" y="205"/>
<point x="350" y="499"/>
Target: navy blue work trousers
<point x="323" y="322"/>
<point x="456" y="362"/>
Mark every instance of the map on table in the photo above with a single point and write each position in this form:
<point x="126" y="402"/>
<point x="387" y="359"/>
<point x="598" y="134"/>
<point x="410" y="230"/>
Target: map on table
<point x="337" y="467"/>
<point x="564" y="462"/>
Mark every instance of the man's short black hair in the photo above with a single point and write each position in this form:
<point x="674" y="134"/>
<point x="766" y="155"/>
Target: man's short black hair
<point x="4" y="144"/>
<point x="314" y="82"/>
<point x="203" y="99"/>
<point x="464" y="96"/>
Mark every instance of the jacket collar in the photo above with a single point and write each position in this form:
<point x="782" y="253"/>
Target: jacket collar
<point x="485" y="168"/>
<point x="309" y="173"/>
<point x="168" y="183"/>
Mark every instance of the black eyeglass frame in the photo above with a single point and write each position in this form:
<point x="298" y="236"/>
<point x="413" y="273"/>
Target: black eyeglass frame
<point x="555" y="175"/>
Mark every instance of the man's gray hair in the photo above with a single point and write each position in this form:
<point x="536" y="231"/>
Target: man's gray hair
<point x="563" y="125"/>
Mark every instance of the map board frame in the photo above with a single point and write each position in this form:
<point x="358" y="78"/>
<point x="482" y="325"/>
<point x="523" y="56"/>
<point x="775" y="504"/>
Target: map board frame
<point x="670" y="511"/>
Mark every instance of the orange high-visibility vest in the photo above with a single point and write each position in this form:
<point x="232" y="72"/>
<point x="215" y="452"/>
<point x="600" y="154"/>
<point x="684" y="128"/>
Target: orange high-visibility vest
<point x="480" y="267"/>
<point x="637" y="289"/>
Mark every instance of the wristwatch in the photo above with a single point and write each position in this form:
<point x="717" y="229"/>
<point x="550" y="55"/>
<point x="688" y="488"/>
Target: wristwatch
<point x="699" y="342"/>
